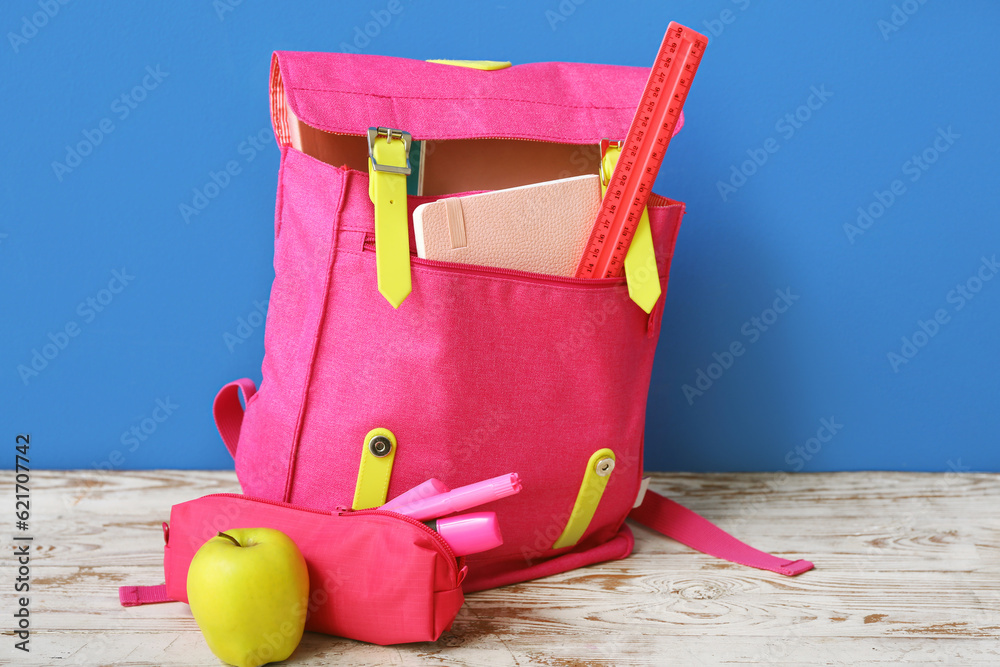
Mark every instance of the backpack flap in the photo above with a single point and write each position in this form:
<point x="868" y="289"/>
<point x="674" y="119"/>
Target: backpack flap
<point x="480" y="129"/>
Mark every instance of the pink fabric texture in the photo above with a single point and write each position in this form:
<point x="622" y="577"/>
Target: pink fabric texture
<point x="479" y="372"/>
<point x="376" y="577"/>
<point x="573" y="103"/>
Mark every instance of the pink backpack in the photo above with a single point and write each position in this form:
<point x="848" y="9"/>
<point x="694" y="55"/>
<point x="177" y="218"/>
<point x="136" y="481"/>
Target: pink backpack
<point x="479" y="371"/>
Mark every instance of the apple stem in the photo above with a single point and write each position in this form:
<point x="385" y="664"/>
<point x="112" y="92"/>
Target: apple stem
<point x="230" y="538"/>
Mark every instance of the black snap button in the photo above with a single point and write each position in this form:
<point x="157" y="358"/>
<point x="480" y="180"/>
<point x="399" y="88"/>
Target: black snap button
<point x="380" y="446"/>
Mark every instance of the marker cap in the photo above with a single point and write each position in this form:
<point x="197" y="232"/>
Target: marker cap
<point x="470" y="533"/>
<point x="462" y="498"/>
<point x="431" y="487"/>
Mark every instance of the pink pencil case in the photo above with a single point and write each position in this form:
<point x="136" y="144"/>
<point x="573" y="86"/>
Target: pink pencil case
<point x="374" y="575"/>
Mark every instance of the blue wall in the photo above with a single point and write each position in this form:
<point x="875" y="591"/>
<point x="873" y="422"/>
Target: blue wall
<point x="887" y="107"/>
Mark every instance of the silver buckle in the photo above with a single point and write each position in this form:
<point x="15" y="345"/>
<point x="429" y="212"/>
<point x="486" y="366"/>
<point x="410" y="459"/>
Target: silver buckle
<point x="388" y="133"/>
<point x="605" y="144"/>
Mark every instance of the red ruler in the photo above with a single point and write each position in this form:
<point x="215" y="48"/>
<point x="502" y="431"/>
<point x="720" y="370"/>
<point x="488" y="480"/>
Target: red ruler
<point x="642" y="152"/>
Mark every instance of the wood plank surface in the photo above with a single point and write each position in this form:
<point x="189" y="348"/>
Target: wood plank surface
<point x="907" y="570"/>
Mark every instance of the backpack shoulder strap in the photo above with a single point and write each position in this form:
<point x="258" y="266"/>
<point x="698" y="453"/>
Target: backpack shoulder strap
<point x="228" y="411"/>
<point x="678" y="522"/>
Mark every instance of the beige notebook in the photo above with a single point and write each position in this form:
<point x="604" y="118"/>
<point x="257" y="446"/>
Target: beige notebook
<point x="542" y="227"/>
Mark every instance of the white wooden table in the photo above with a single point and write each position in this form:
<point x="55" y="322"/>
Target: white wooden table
<point x="907" y="570"/>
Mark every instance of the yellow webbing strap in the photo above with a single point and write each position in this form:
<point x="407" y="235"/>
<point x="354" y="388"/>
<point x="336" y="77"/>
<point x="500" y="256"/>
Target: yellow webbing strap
<point x="377" y="454"/>
<point x="387" y="190"/>
<point x="640" y="262"/>
<point x="595" y="478"/>
<point x="474" y="64"/>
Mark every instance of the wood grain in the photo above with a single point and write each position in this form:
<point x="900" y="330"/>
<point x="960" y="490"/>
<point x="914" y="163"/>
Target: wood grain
<point x="908" y="570"/>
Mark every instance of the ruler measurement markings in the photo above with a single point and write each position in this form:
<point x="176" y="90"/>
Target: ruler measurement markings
<point x="653" y="112"/>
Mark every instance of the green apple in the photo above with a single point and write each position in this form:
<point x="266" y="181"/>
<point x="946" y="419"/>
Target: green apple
<point x="248" y="589"/>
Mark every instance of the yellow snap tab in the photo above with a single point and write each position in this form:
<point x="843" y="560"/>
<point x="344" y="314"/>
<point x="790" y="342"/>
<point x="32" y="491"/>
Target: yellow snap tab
<point x="475" y="64"/>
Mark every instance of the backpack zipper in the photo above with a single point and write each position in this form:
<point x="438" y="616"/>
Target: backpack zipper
<point x="529" y="276"/>
<point x="541" y="141"/>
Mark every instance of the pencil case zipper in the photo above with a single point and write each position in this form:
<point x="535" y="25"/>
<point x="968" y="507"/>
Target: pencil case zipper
<point x="347" y="512"/>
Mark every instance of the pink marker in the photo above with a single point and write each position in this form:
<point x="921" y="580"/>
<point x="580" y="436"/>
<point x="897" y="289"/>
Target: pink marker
<point x="461" y="498"/>
<point x="431" y="487"/>
<point x="469" y="533"/>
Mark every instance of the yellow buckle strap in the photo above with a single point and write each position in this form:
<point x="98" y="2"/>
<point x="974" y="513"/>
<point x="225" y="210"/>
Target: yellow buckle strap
<point x="388" y="167"/>
<point x="377" y="455"/>
<point x="595" y="479"/>
<point x="640" y="262"/>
